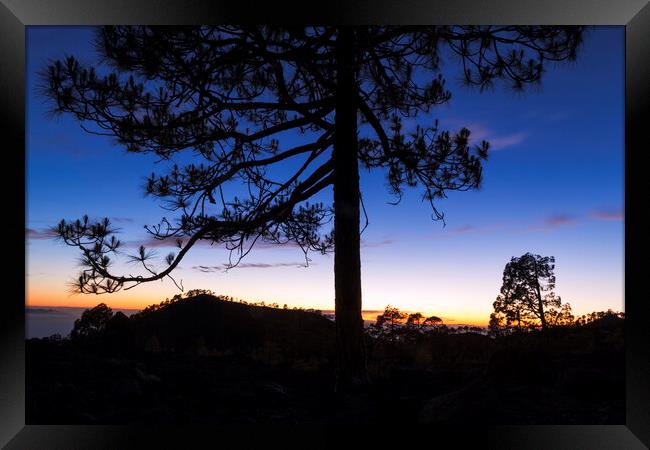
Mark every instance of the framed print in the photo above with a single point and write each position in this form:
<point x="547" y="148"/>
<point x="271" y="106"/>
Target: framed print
<point x="243" y="216"/>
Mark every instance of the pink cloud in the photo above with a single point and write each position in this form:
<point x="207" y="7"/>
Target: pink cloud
<point x="369" y="244"/>
<point x="472" y="229"/>
<point x="545" y="224"/>
<point x="554" y="221"/>
<point x="609" y="214"/>
<point x="558" y="220"/>
<point x="42" y="234"/>
<point x="464" y="229"/>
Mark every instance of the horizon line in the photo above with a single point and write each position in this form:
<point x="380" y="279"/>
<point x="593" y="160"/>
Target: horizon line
<point x="450" y="322"/>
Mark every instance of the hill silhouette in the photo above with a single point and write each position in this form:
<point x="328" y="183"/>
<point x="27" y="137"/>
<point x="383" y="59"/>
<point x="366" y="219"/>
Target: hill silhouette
<point x="205" y="325"/>
<point x="205" y="359"/>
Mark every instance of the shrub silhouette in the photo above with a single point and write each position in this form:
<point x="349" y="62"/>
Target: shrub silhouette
<point x="92" y="322"/>
<point x="601" y="317"/>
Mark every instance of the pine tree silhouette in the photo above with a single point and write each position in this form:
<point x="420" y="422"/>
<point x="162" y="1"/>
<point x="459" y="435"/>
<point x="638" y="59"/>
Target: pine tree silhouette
<point x="231" y="94"/>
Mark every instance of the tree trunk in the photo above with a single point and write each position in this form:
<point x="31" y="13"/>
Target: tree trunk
<point x="541" y="309"/>
<point x="347" y="258"/>
<point x="540" y="304"/>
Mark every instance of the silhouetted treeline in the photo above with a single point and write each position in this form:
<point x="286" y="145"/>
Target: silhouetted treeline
<point x="203" y="359"/>
<point x="195" y="292"/>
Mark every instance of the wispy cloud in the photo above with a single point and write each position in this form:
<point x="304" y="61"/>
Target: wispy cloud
<point x="608" y="214"/>
<point x="471" y="229"/>
<point x="151" y="242"/>
<point x="122" y="219"/>
<point x="547" y="223"/>
<point x="47" y="311"/>
<point x="559" y="220"/>
<point x="223" y="267"/>
<point x="371" y="244"/>
<point x="364" y="244"/>
<point x="464" y="229"/>
<point x="554" y="221"/>
<point x="509" y="140"/>
<point x="260" y="244"/>
<point x="480" y="132"/>
<point x="42" y="234"/>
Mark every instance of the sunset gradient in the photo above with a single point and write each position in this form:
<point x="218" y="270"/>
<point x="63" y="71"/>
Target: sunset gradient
<point x="553" y="185"/>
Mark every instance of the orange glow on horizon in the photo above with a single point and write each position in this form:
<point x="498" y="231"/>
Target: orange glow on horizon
<point x="64" y="299"/>
<point x="125" y="300"/>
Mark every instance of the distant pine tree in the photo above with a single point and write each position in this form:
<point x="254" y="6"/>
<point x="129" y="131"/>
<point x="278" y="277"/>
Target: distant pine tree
<point x="527" y="299"/>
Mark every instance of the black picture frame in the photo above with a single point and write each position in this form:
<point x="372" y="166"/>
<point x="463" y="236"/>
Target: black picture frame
<point x="633" y="14"/>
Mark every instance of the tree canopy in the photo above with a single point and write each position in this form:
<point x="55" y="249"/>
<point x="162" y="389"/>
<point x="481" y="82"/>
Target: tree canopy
<point x="92" y="322"/>
<point x="260" y="120"/>
<point x="229" y="94"/>
<point x="527" y="299"/>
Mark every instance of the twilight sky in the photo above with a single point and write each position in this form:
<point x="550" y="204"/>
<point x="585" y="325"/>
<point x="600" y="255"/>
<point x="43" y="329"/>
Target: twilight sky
<point x="553" y="185"/>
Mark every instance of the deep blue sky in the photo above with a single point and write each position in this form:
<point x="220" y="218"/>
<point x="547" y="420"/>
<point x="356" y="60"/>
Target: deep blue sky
<point x="553" y="185"/>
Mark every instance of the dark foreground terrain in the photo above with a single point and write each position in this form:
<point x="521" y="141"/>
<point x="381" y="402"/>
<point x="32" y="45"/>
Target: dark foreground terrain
<point x="204" y="360"/>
